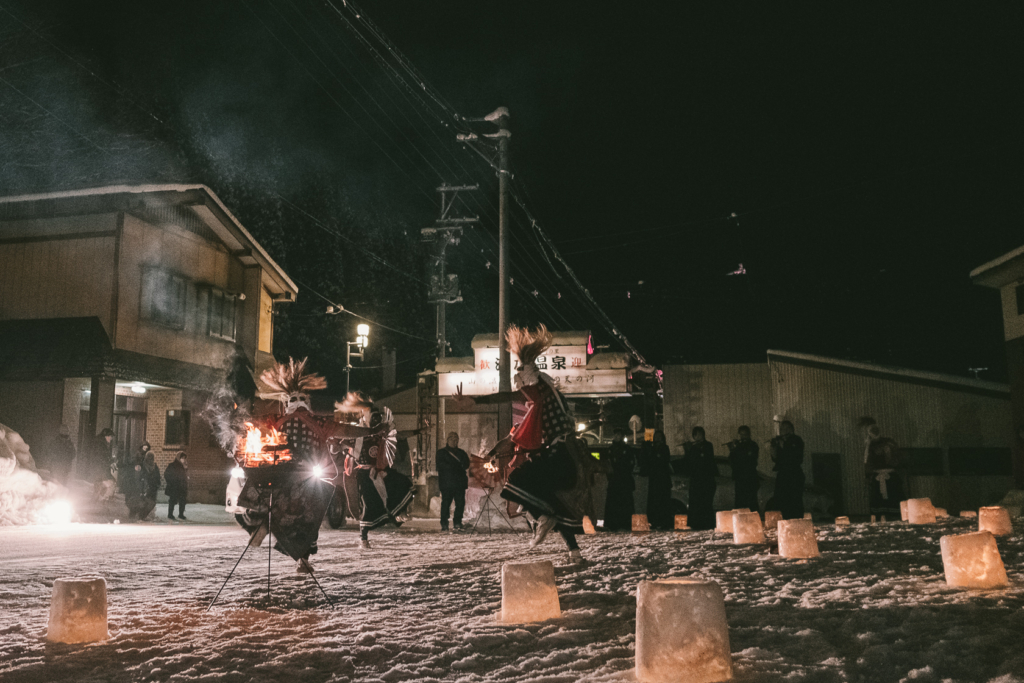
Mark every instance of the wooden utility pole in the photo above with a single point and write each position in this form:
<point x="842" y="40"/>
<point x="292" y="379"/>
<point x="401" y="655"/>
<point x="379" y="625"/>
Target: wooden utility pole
<point x="444" y="287"/>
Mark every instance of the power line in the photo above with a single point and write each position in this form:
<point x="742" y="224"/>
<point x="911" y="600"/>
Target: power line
<point x="342" y="309"/>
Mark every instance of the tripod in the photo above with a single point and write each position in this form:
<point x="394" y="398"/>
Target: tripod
<point x="490" y="508"/>
<point x="270" y="554"/>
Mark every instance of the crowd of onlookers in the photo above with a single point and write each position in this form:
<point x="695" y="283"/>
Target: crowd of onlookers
<point x="134" y="474"/>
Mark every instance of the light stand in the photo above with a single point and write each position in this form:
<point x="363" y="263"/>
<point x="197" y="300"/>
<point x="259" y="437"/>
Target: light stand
<point x="361" y="342"/>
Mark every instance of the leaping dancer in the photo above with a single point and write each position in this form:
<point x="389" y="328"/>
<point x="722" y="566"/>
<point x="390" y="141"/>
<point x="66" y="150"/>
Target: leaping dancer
<point x="550" y="473"/>
<point x="384" y="493"/>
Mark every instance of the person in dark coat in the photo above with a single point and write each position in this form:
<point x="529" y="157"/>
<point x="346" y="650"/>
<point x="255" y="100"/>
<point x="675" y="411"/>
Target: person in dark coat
<point x="787" y="451"/>
<point x="129" y="480"/>
<point x="102" y="464"/>
<point x="62" y="456"/>
<point x="699" y="465"/>
<point x="618" y="503"/>
<point x="659" y="486"/>
<point x="149" y="484"/>
<point x="453" y="480"/>
<point x="176" y="476"/>
<point x="743" y="454"/>
<point x="881" y="469"/>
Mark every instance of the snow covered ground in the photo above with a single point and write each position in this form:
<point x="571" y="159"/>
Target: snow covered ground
<point x="421" y="606"/>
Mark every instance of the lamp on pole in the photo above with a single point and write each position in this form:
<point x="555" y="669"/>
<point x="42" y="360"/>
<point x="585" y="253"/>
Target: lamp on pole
<point x="361" y="342"/>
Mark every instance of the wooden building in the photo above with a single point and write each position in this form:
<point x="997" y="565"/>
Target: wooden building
<point x="954" y="432"/>
<point x="120" y="307"/>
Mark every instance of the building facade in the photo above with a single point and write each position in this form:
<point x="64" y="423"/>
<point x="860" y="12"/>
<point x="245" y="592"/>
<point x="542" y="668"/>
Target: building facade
<point x="121" y="307"/>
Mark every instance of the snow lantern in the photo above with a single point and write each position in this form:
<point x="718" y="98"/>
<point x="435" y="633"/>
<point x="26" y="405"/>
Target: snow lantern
<point x="681" y="632"/>
<point x="903" y="511"/>
<point x="972" y="561"/>
<point x="772" y="519"/>
<point x="723" y="521"/>
<point x="808" y="515"/>
<point x="78" y="611"/>
<point x="968" y="514"/>
<point x="994" y="519"/>
<point x="796" y="538"/>
<point x="588" y="526"/>
<point x="747" y="528"/>
<point x="640" y="523"/>
<point x="528" y="592"/>
<point x="842" y="521"/>
<point x="941" y="513"/>
<point x="920" y="511"/>
<point x="681" y="522"/>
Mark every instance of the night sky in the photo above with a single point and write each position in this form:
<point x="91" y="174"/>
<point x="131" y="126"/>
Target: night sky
<point x="858" y="160"/>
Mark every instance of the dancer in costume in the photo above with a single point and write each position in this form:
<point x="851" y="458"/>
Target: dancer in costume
<point x="551" y="472"/>
<point x="384" y="493"/>
<point x="304" y="483"/>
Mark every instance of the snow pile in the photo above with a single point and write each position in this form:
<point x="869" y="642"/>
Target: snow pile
<point x="24" y="495"/>
<point x="423" y="606"/>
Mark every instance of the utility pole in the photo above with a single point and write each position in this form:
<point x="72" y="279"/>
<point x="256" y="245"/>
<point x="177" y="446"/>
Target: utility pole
<point x="444" y="287"/>
<point x="500" y="118"/>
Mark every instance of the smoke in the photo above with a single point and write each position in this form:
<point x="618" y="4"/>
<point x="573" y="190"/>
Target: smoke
<point x="24" y="495"/>
<point x="229" y="407"/>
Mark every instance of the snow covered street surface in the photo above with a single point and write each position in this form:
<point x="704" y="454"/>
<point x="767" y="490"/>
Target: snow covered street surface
<point x="421" y="606"/>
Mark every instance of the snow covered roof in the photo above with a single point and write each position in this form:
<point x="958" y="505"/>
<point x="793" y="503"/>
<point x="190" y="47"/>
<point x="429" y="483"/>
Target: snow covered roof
<point x="1001" y="270"/>
<point x="200" y="200"/>
<point x="937" y="379"/>
<point x="566" y="338"/>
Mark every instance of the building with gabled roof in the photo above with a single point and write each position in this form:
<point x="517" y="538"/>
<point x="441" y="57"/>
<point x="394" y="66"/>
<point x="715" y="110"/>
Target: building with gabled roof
<point x="120" y="308"/>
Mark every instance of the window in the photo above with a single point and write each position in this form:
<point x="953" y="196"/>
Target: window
<point x="176" y="427"/>
<point x="980" y="461"/>
<point x="222" y="311"/>
<point x="163" y="298"/>
<point x="922" y="461"/>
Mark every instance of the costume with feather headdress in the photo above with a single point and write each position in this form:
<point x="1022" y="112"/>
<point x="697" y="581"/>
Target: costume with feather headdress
<point x="551" y="473"/>
<point x="384" y="493"/>
<point x="300" y="498"/>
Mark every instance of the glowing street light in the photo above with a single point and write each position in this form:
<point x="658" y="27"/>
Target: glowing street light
<point x="361" y="342"/>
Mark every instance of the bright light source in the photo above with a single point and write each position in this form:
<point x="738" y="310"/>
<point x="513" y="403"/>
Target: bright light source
<point x="138" y="388"/>
<point x="362" y="330"/>
<point x="318" y="471"/>
<point x="58" y="512"/>
<point x="238" y="473"/>
<point x="580" y="426"/>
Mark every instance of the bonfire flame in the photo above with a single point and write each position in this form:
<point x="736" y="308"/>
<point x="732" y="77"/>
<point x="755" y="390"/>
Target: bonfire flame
<point x="263" y="449"/>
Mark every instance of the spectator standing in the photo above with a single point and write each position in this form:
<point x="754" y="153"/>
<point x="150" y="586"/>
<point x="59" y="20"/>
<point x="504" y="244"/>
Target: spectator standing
<point x="743" y="455"/>
<point x="176" y="475"/>
<point x="787" y="451"/>
<point x="62" y="455"/>
<point x="699" y="465"/>
<point x="881" y="464"/>
<point x="130" y="481"/>
<point x="659" y="487"/>
<point x="103" y="464"/>
<point x="149" y="477"/>
<point x="453" y="480"/>
<point x="618" y="504"/>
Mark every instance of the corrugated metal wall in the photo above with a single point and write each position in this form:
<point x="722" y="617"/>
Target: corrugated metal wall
<point x="718" y="398"/>
<point x="825" y="404"/>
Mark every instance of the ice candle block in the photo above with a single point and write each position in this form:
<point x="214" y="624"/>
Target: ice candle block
<point x="920" y="511"/>
<point x="588" y="526"/>
<point x="747" y="528"/>
<point x="972" y="561"/>
<point x="681" y="632"/>
<point x="680" y="522"/>
<point x="528" y="592"/>
<point x="772" y="519"/>
<point x="842" y="521"/>
<point x="640" y="523"/>
<point x="995" y="520"/>
<point x="796" y="538"/>
<point x="78" y="611"/>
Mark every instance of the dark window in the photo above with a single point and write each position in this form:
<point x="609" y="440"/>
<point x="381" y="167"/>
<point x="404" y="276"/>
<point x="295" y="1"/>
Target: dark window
<point x="993" y="462"/>
<point x="176" y="427"/>
<point x="922" y="461"/>
<point x="1020" y="299"/>
<point x="222" y="310"/>
<point x="163" y="298"/>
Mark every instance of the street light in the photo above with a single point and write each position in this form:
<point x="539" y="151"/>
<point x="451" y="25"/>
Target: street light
<point x="361" y="342"/>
